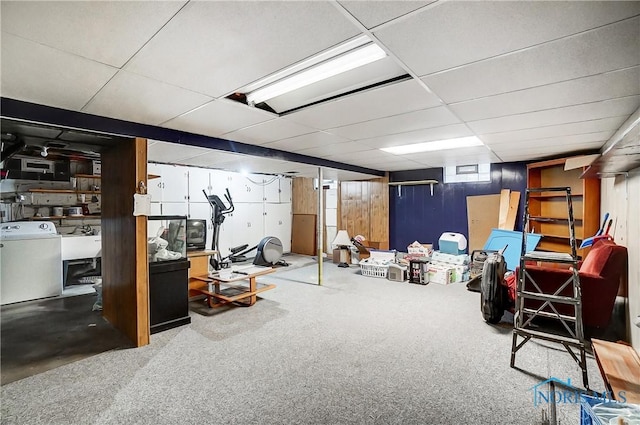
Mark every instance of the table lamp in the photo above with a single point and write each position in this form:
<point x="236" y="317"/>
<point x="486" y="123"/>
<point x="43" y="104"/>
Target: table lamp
<point x="343" y="242"/>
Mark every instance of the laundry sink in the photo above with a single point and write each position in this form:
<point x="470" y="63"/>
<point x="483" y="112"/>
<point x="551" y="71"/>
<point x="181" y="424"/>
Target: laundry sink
<point x="75" y="247"/>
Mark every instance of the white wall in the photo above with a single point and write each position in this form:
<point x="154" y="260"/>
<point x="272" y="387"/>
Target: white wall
<point x="620" y="197"/>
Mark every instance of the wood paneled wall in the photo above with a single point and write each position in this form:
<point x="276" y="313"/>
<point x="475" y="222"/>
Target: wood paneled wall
<point x="363" y="206"/>
<point x="364" y="209"/>
<point x="125" y="287"/>
<point x="304" y="197"/>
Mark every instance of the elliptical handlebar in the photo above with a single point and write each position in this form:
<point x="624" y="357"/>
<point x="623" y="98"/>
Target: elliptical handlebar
<point x="217" y="203"/>
<point x="228" y="196"/>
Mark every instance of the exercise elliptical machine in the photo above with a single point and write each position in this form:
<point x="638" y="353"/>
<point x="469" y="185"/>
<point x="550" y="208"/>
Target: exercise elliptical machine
<point x="269" y="250"/>
<point x="218" y="213"/>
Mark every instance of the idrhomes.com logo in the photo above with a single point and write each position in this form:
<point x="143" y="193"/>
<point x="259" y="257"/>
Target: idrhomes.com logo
<point x="564" y="393"/>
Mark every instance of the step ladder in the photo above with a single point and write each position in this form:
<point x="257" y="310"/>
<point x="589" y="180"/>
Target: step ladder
<point x="573" y="340"/>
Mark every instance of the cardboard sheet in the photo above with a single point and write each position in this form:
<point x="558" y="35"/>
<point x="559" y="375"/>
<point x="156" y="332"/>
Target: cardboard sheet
<point x="482" y="216"/>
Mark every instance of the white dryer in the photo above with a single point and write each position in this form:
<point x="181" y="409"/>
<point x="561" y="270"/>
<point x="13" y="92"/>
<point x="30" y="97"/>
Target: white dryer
<point x="30" y="261"/>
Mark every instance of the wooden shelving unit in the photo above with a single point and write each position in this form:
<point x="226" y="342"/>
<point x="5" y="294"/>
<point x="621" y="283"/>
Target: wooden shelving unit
<point x="549" y="210"/>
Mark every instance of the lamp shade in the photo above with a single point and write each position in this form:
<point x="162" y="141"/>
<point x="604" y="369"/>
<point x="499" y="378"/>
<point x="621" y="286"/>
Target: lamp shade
<point x="342" y="239"/>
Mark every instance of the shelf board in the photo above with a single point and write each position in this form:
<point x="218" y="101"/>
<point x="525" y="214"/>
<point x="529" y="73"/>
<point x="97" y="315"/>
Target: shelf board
<point x="63" y="217"/>
<point x="553" y="195"/>
<point x="66" y="191"/>
<point x="88" y="176"/>
<point x="546" y="235"/>
<point x="153" y="176"/>
<point x="551" y="219"/>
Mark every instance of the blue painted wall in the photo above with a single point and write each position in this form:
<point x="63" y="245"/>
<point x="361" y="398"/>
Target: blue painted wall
<point x="416" y="215"/>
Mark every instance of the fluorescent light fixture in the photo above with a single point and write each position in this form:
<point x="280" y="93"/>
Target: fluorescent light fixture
<point x="437" y="145"/>
<point x="336" y="65"/>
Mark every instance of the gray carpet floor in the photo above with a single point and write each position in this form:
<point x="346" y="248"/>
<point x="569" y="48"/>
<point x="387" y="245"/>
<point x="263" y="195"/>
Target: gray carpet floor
<point x="356" y="350"/>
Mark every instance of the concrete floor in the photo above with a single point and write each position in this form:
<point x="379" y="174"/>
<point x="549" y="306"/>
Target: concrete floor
<point x="41" y="335"/>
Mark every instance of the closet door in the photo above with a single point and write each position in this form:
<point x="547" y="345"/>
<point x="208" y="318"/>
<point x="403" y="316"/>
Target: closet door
<point x="277" y="222"/>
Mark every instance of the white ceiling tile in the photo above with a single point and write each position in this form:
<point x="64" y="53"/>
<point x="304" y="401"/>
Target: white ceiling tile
<point x="422" y="119"/>
<point x="462" y="156"/>
<point x="212" y="159"/>
<point x="268" y="131"/>
<point x="40" y="74"/>
<point x="589" y="111"/>
<point x="419" y="136"/>
<point x="593" y="126"/>
<point x="218" y="47"/>
<point x="456" y="33"/>
<point x="609" y="48"/>
<point x="547" y="151"/>
<point x="405" y="165"/>
<point x="172" y="152"/>
<point x="573" y="92"/>
<point x="367" y="157"/>
<point x="306" y="141"/>
<point x="389" y="100"/>
<point x="576" y="139"/>
<point x="140" y="99"/>
<point x="373" y="13"/>
<point x="334" y="151"/>
<point x="105" y="31"/>
<point x="218" y="117"/>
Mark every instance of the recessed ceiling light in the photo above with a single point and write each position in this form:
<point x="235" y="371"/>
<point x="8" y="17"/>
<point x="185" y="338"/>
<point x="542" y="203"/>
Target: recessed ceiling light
<point x="436" y="145"/>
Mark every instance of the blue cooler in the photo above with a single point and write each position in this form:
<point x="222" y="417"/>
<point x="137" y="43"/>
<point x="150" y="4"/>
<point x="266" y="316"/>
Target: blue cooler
<point x="452" y="243"/>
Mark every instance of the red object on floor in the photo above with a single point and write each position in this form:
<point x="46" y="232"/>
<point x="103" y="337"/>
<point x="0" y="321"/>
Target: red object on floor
<point x="600" y="275"/>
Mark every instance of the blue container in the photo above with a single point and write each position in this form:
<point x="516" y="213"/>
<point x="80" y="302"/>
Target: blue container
<point x="587" y="417"/>
<point x="452" y="243"/>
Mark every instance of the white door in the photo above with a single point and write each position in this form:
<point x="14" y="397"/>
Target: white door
<point x="220" y="181"/>
<point x="175" y="183"/>
<point x="154" y="182"/>
<point x="285" y="189"/>
<point x="247" y="189"/>
<point x="277" y="222"/>
<point x="248" y="224"/>
<point x="175" y="208"/>
<point x="203" y="211"/>
<point x="271" y="189"/>
<point x="198" y="181"/>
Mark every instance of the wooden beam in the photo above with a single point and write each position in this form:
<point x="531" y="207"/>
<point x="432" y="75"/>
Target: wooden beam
<point x="125" y="285"/>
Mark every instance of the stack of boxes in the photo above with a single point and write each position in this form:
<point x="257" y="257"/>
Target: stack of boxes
<point x="450" y="264"/>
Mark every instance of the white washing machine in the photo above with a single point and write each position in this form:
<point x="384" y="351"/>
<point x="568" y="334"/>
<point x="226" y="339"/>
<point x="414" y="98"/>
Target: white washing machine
<point x="30" y="261"/>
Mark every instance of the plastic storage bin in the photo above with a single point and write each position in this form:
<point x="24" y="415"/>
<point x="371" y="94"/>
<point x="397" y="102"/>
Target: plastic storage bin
<point x="452" y="243"/>
<point x="377" y="264"/>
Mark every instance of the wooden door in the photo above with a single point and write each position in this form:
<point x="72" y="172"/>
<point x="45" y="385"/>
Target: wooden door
<point x="125" y="286"/>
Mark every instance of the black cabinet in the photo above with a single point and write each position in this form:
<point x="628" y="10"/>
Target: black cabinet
<point x="168" y="294"/>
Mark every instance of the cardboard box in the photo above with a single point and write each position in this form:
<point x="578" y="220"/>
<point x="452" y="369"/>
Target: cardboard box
<point x="424" y="249"/>
<point x="439" y="273"/>
<point x="336" y="256"/>
<point x="442" y="257"/>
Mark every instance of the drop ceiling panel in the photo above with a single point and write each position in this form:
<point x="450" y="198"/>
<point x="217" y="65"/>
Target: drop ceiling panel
<point x="140" y="99"/>
<point x="573" y="92"/>
<point x="306" y="141"/>
<point x="423" y="119"/>
<point x="482" y="153"/>
<point x="172" y="152"/>
<point x="609" y="48"/>
<point x="218" y="47"/>
<point x="366" y="157"/>
<point x="218" y="117"/>
<point x="268" y="131"/>
<point x="36" y="73"/>
<point x="456" y="33"/>
<point x="419" y="136"/>
<point x="393" y="99"/>
<point x="212" y="159"/>
<point x="537" y="153"/>
<point x="104" y="31"/>
<point x="373" y="13"/>
<point x="589" y="111"/>
<point x="458" y="159"/>
<point x="583" y="127"/>
<point x="334" y="151"/>
<point x="551" y="142"/>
